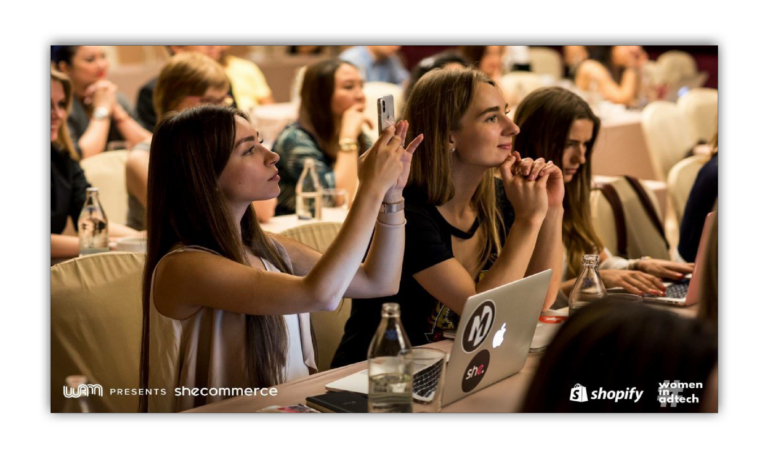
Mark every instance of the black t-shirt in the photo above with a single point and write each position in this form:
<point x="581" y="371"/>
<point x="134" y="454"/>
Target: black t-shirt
<point x="427" y="243"/>
<point x="68" y="185"/>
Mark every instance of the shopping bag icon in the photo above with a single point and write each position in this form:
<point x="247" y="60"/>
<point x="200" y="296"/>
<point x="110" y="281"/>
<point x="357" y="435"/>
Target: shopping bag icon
<point x="578" y="393"/>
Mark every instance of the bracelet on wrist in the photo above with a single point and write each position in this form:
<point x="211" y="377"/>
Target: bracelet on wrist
<point x="390" y="225"/>
<point x="389" y="208"/>
<point x="348" y="145"/>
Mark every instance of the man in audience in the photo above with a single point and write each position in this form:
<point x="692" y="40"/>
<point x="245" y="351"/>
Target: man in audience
<point x="377" y="63"/>
<point x="145" y="109"/>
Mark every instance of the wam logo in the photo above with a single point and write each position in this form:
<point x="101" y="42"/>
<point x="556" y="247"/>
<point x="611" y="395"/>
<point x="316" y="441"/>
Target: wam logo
<point x="83" y="390"/>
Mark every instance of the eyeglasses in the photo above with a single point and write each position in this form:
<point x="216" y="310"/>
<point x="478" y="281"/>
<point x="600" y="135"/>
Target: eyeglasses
<point x="223" y="101"/>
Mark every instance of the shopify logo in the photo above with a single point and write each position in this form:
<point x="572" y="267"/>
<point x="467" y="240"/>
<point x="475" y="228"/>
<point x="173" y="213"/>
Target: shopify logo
<point x="579" y="394"/>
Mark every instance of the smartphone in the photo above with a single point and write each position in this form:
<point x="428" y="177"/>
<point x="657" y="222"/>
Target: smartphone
<point x="386" y="109"/>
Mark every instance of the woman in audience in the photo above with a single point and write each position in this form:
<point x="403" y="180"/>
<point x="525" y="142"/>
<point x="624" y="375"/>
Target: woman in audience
<point x="613" y="71"/>
<point x="488" y="59"/>
<point x="615" y="346"/>
<point x="329" y="131"/>
<point x="701" y="201"/>
<point x="573" y="56"/>
<point x="99" y="113"/>
<point x="189" y="79"/>
<point x="221" y="298"/>
<point x="558" y="125"/>
<point x="68" y="183"/>
<point x="463" y="236"/>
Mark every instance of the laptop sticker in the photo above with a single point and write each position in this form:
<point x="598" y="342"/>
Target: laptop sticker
<point x="475" y="371"/>
<point x="478" y="326"/>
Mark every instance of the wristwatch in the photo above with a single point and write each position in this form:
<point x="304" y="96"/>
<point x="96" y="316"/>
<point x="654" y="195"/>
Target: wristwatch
<point x="633" y="264"/>
<point x="100" y="113"/>
<point x="392" y="207"/>
<point x="348" y="145"/>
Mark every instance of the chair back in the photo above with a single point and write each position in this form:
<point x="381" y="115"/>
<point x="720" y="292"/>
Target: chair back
<point x="546" y="61"/>
<point x="667" y="135"/>
<point x="107" y="172"/>
<point x="699" y="106"/>
<point x="518" y="84"/>
<point x="674" y="66"/>
<point x="680" y="182"/>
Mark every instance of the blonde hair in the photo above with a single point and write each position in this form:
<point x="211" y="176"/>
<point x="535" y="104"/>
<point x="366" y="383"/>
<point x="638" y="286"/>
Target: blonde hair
<point x="188" y="74"/>
<point x="435" y="107"/>
<point x="64" y="141"/>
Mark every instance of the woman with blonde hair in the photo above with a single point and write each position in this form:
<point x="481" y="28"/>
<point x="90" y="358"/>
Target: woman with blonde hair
<point x="99" y="113"/>
<point x="68" y="182"/>
<point x="467" y="231"/>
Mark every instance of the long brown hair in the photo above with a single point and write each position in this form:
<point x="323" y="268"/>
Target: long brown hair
<point x="435" y="107"/>
<point x="64" y="141"/>
<point x="188" y="153"/>
<point x="317" y="89"/>
<point x="545" y="117"/>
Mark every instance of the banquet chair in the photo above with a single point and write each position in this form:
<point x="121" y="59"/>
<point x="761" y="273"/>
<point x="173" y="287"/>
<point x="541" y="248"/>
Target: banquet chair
<point x="680" y="182"/>
<point x="518" y="84"/>
<point x="546" y="61"/>
<point x="674" y="66"/>
<point x="327" y="326"/>
<point x="96" y="321"/>
<point x="373" y="91"/>
<point x="667" y="134"/>
<point x="700" y="108"/>
<point x="107" y="172"/>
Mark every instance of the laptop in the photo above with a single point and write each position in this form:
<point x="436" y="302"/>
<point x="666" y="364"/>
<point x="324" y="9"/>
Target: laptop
<point x="493" y="338"/>
<point x="686" y="293"/>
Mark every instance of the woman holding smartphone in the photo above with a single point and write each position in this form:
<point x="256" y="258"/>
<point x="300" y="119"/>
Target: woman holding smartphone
<point x="223" y="301"/>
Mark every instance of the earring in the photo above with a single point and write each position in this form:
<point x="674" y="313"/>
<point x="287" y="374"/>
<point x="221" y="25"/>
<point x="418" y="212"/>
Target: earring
<point x="453" y="150"/>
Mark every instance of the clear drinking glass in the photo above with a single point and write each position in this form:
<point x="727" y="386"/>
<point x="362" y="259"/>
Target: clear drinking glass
<point x="428" y="379"/>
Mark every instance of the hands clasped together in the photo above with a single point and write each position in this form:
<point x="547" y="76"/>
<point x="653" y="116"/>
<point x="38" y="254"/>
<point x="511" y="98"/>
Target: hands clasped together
<point x="532" y="186"/>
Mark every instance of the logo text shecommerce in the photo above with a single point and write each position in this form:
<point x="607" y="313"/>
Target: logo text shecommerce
<point x="186" y="391"/>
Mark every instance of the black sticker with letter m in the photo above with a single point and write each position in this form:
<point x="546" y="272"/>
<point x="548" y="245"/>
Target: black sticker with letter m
<point x="478" y="326"/>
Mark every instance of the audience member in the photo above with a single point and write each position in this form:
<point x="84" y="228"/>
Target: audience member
<point x="377" y="63"/>
<point x="612" y="71"/>
<point x="487" y="59"/>
<point x="249" y="85"/>
<point x="701" y="202"/>
<point x="708" y="298"/>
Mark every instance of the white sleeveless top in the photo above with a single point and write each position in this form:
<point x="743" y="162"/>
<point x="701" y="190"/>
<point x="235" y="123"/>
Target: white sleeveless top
<point x="207" y="350"/>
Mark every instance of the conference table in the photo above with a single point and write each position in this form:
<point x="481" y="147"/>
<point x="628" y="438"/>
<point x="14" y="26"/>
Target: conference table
<point x="282" y="223"/>
<point x="505" y="396"/>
